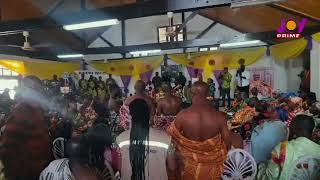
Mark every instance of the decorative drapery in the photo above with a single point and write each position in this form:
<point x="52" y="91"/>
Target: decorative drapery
<point x="146" y="77"/>
<point x="16" y="66"/>
<point x="217" y="60"/>
<point x="192" y="72"/>
<point x="45" y="70"/>
<point x="41" y="69"/>
<point x="126" y="81"/>
<point x="130" y="67"/>
<point x="316" y="37"/>
<point x="289" y="50"/>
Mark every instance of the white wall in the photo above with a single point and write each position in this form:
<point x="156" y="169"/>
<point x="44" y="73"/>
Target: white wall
<point x="314" y="69"/>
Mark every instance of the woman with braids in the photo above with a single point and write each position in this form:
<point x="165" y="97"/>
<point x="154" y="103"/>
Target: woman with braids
<point x="143" y="149"/>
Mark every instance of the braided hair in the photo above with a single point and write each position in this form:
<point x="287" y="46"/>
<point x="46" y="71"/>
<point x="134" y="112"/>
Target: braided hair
<point x="139" y="136"/>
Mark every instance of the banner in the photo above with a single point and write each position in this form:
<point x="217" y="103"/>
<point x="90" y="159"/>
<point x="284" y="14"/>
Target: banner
<point x="96" y="74"/>
<point x="264" y="74"/>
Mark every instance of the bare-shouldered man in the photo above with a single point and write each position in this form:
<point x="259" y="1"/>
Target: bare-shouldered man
<point x="170" y="105"/>
<point x="140" y="87"/>
<point x="200" y="137"/>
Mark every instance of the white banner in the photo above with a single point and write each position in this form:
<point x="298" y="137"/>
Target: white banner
<point x="96" y="74"/>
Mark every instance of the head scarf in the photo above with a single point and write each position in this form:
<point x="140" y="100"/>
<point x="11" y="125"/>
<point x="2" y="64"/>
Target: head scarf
<point x="296" y="100"/>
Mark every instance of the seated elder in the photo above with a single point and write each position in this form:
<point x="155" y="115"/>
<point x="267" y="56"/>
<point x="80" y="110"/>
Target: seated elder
<point x="271" y="133"/>
<point x="286" y="153"/>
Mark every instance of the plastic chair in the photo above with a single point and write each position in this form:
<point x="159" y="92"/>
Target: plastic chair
<point x="58" y="148"/>
<point x="305" y="168"/>
<point x="239" y="165"/>
<point x="108" y="173"/>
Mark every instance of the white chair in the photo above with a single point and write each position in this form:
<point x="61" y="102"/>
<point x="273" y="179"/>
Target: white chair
<point x="108" y="173"/>
<point x="305" y="168"/>
<point x="239" y="165"/>
<point x="58" y="148"/>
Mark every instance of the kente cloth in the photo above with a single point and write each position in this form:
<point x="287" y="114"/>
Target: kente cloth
<point x="263" y="88"/>
<point x="284" y="156"/>
<point x="244" y="115"/>
<point x="57" y="170"/>
<point x="163" y="122"/>
<point x="26" y="146"/>
<point x="293" y="114"/>
<point x="125" y="117"/>
<point x="199" y="160"/>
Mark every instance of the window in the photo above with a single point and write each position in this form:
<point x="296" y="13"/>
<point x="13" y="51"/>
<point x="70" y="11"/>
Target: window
<point x="5" y="72"/>
<point x="8" y="79"/>
<point x="162" y="34"/>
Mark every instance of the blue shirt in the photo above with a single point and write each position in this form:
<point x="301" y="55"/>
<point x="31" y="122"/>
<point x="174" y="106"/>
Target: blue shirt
<point x="265" y="137"/>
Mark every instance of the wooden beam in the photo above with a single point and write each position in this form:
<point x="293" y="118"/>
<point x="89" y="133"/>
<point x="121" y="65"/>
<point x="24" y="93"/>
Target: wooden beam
<point x="294" y="12"/>
<point x="143" y="9"/>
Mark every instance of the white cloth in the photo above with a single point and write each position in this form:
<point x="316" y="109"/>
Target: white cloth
<point x="155" y="168"/>
<point x="193" y="80"/>
<point x="243" y="82"/>
<point x="57" y="170"/>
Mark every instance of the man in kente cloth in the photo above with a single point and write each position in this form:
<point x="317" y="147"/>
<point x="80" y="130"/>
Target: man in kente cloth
<point x="200" y="139"/>
<point x="167" y="109"/>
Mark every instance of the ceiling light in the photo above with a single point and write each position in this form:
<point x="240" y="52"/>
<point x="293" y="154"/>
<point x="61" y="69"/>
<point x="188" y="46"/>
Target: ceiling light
<point x="213" y="48"/>
<point x="64" y="56"/>
<point x="242" y="3"/>
<point x="203" y="49"/>
<point x="146" y="52"/>
<point x="94" y="24"/>
<point x="243" y="43"/>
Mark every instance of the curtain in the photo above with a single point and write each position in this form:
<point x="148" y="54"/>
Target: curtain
<point x="131" y="67"/>
<point x="40" y="68"/>
<point x="289" y="50"/>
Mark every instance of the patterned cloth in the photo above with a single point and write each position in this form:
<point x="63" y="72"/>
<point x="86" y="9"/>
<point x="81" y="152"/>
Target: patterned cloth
<point x="244" y="115"/>
<point x="125" y="117"/>
<point x="57" y="170"/>
<point x="163" y="122"/>
<point x="200" y="160"/>
<point x="293" y="114"/>
<point x="264" y="89"/>
<point x="283" y="157"/>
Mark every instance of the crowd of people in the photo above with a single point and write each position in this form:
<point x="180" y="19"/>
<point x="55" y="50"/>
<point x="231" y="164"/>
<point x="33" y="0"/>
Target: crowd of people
<point x="164" y="130"/>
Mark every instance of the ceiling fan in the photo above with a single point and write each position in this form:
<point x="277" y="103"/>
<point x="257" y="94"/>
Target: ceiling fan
<point x="26" y="45"/>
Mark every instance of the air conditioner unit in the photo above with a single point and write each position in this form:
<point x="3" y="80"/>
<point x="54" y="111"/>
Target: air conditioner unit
<point x="242" y="3"/>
